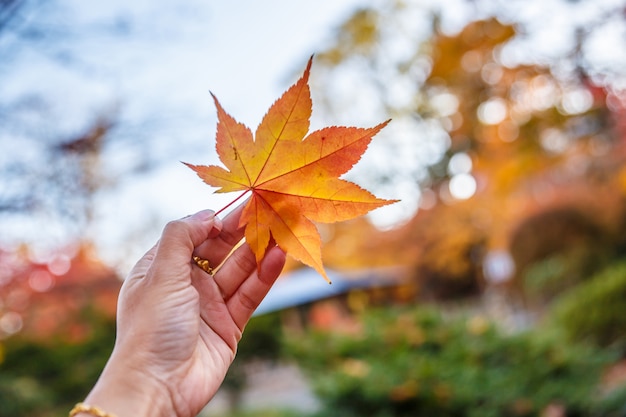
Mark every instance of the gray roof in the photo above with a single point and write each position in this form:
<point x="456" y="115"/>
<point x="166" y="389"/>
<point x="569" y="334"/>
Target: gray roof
<point x="305" y="285"/>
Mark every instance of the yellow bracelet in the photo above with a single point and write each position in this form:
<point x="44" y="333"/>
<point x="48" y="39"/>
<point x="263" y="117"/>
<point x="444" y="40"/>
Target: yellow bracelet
<point x="89" y="409"/>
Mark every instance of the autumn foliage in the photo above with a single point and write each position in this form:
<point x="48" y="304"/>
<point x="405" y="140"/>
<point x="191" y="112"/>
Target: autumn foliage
<point x="540" y="142"/>
<point x="293" y="177"/>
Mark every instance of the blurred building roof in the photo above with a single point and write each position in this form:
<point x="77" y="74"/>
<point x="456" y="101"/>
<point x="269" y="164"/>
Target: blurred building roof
<point x="304" y="286"/>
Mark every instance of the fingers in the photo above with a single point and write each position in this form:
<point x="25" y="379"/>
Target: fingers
<point x="216" y="250"/>
<point x="180" y="237"/>
<point x="240" y="264"/>
<point x="213" y="309"/>
<point x="236" y="290"/>
<point x="251" y="292"/>
<point x="201" y="234"/>
<point x="242" y="282"/>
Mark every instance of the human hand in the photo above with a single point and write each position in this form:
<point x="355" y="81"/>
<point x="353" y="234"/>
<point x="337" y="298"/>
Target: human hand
<point x="178" y="326"/>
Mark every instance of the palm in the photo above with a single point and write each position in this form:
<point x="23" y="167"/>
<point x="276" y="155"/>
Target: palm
<point x="192" y="321"/>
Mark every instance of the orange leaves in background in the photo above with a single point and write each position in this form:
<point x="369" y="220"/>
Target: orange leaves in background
<point x="293" y="178"/>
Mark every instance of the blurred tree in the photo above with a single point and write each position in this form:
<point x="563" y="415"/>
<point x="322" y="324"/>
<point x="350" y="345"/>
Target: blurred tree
<point x="48" y="174"/>
<point x="595" y="311"/>
<point x="8" y="11"/>
<point x="43" y="299"/>
<point x="415" y="362"/>
<point x="562" y="246"/>
<point x="55" y="183"/>
<point x="42" y="378"/>
<point x="262" y="343"/>
<point x="57" y="329"/>
<point x="61" y="148"/>
<point x="483" y="135"/>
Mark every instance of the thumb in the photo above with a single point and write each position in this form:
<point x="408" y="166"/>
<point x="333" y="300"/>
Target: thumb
<point x="180" y="237"/>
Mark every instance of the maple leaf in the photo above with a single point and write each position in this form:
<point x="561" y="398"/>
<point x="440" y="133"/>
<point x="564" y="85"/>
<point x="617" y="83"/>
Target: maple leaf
<point x="294" y="180"/>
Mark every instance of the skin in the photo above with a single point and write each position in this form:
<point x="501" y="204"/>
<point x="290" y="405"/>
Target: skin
<point x="177" y="326"/>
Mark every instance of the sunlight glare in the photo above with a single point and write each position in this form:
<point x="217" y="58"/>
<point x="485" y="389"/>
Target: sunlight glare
<point x="492" y="111"/>
<point x="462" y="186"/>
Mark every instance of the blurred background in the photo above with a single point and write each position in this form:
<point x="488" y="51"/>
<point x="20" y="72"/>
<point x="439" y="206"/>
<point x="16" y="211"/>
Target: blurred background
<point x="496" y="287"/>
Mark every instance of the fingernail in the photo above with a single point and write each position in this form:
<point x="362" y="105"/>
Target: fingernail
<point x="203" y="216"/>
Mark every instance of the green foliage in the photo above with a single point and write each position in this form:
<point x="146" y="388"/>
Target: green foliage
<point x="595" y="310"/>
<point x="40" y="379"/>
<point x="262" y="339"/>
<point x="553" y="275"/>
<point x="264" y="413"/>
<point x="416" y="363"/>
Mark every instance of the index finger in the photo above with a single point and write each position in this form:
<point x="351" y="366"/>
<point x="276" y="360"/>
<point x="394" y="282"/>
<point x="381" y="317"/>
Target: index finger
<point x="180" y="237"/>
<point x="216" y="250"/>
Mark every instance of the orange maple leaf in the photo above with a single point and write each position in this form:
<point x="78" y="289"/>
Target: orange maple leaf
<point x="294" y="180"/>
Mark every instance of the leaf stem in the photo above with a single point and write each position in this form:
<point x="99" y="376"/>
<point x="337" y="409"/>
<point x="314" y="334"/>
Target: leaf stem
<point x="232" y="202"/>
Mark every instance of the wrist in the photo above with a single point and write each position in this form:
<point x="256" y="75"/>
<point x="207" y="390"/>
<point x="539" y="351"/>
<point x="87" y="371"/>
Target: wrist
<point x="123" y="391"/>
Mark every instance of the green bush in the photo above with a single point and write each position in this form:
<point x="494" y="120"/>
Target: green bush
<point x="595" y="310"/>
<point x="546" y="279"/>
<point x="263" y="413"/>
<point x="262" y="340"/>
<point x="416" y="363"/>
<point x="46" y="378"/>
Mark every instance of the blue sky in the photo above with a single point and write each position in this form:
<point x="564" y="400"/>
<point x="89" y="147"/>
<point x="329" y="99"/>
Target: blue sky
<point x="152" y="63"/>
